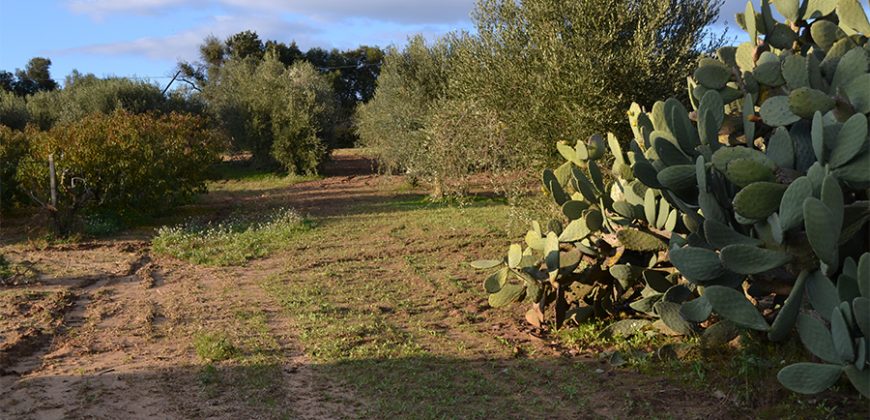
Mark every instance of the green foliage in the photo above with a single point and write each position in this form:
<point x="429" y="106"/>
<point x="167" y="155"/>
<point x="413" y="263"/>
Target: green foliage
<point x="14" y="146"/>
<point x="778" y="200"/>
<point x="35" y="77"/>
<point x="394" y="122"/>
<point x="106" y="163"/>
<point x="604" y="260"/>
<point x="86" y="94"/>
<point x="554" y="70"/>
<point x="213" y="346"/>
<point x="535" y="72"/>
<point x="292" y="125"/>
<point x="13" y="111"/>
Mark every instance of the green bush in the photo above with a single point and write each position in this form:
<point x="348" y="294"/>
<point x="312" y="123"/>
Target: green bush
<point x="83" y="95"/>
<point x="604" y="261"/>
<point x="123" y="163"/>
<point x="13" y="110"/>
<point x="14" y="146"/>
<point x="291" y="125"/>
<point x="395" y="121"/>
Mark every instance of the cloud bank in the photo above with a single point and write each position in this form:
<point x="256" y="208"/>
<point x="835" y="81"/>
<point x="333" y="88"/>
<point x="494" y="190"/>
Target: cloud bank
<point x="396" y="11"/>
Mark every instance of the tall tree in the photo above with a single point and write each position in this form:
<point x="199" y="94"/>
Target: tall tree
<point x="245" y="44"/>
<point x="35" y="77"/>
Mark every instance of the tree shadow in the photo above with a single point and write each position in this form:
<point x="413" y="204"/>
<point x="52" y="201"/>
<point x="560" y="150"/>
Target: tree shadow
<point x="406" y="387"/>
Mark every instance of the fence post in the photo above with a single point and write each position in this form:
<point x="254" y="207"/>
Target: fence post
<point x="52" y="181"/>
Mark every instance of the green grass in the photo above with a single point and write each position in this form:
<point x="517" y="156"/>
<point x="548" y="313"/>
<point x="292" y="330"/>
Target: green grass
<point x="232" y="242"/>
<point x="213" y="346"/>
<point x="372" y="307"/>
<point x="242" y="176"/>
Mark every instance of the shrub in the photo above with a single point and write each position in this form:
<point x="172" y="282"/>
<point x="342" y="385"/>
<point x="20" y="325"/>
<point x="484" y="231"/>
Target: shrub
<point x="394" y="122"/>
<point x="13" y="110"/>
<point x="121" y="162"/>
<point x="14" y="146"/>
<point x="540" y="71"/>
<point x="291" y="125"/>
<point x="83" y="95"/>
<point x="604" y="262"/>
<point x="770" y="173"/>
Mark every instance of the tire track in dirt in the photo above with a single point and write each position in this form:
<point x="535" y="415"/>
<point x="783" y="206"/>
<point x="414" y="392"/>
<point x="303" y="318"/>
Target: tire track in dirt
<point x="123" y="343"/>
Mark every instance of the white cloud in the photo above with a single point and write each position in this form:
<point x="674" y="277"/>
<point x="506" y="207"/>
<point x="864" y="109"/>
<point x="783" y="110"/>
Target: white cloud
<point x="398" y="11"/>
<point x="184" y="45"/>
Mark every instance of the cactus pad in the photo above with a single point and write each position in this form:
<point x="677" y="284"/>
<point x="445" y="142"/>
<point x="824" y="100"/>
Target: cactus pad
<point x="636" y="240"/>
<point x="508" y="294"/>
<point x="748" y="259"/>
<point x="733" y="306"/>
<point x="777" y="112"/>
<point x="809" y="378"/>
<point x="804" y="102"/>
<point x="759" y="200"/>
<point x="697" y="264"/>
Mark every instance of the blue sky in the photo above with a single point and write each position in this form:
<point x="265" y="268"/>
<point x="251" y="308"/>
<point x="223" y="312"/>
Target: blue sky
<point x="145" y="38"/>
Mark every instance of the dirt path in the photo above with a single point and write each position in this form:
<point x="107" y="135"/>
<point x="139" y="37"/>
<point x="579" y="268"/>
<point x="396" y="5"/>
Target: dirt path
<point x="371" y="314"/>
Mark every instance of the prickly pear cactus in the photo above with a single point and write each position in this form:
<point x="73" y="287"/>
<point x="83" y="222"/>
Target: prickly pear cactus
<point x="771" y="169"/>
<point x="836" y="330"/>
<point x="604" y="256"/>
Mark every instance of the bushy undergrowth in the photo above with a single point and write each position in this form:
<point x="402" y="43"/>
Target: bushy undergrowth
<point x="86" y="94"/>
<point x="121" y="163"/>
<point x="230" y="242"/>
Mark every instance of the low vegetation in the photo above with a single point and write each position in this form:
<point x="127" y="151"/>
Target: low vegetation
<point x="103" y="163"/>
<point x="230" y="242"/>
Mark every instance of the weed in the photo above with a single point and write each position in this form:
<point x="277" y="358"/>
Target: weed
<point x="213" y="346"/>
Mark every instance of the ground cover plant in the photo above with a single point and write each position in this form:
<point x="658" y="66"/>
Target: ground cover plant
<point x="232" y="241"/>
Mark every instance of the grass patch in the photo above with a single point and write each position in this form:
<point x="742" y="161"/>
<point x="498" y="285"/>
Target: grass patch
<point x="232" y="242"/>
<point x="213" y="346"/>
<point x="241" y="175"/>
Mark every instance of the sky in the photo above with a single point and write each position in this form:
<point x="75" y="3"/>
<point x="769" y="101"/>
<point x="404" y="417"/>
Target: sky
<point x="146" y="38"/>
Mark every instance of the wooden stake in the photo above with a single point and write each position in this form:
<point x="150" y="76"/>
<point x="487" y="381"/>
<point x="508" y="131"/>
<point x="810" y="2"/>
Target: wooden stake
<point x="52" y="181"/>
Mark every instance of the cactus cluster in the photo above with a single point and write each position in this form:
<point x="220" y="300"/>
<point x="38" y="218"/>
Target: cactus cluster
<point x="771" y="170"/>
<point x="605" y="256"/>
<point x="837" y="330"/>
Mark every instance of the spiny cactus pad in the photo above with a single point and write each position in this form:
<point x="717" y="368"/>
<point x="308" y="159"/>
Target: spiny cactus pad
<point x="508" y="294"/>
<point x="637" y="240"/>
<point x="733" y="306"/>
<point x="697" y="264"/>
<point x="748" y="259"/>
<point x="809" y="378"/>
<point x="759" y="200"/>
<point x="816" y="338"/>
